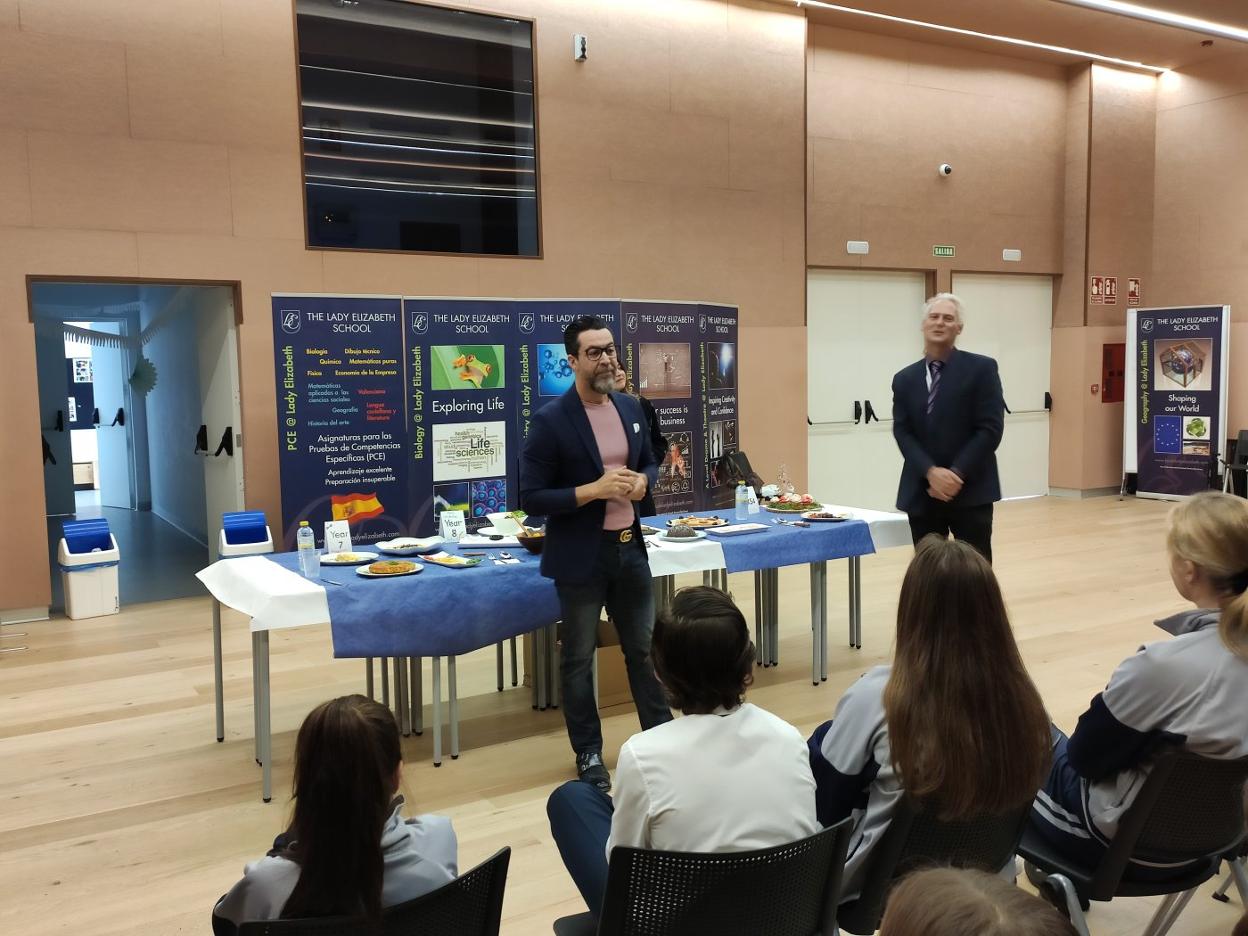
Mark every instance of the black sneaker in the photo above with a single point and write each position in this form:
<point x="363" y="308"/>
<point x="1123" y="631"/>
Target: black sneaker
<point x="591" y="769"/>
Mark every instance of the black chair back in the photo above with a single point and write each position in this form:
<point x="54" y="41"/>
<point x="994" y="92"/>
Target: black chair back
<point x="915" y="838"/>
<point x="788" y="890"/>
<point x="1191" y="808"/>
<point x="470" y="905"/>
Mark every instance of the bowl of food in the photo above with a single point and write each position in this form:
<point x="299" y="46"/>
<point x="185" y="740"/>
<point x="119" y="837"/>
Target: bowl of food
<point x="532" y="538"/>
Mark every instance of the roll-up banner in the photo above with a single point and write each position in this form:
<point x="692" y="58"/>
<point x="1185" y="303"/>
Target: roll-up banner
<point x="392" y="409"/>
<point x="1175" y="413"/>
<point x="341" y="414"/>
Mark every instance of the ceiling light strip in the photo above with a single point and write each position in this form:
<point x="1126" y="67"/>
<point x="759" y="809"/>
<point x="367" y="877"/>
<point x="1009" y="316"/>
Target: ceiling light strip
<point x="394" y="135"/>
<point x="444" y="84"/>
<point x="418" y="165"/>
<point x="1163" y="17"/>
<point x="369" y="188"/>
<point x="1009" y="40"/>
<point x="398" y="183"/>
<point x="419" y="149"/>
<point x="417" y="115"/>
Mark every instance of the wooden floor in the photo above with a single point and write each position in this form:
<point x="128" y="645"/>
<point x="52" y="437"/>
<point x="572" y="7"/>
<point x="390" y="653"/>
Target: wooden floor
<point x="119" y="812"/>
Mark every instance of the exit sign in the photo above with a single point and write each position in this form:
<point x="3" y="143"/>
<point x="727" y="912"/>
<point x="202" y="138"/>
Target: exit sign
<point x="944" y="250"/>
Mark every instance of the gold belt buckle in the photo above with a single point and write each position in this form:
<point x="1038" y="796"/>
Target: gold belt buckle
<point x="626" y="536"/>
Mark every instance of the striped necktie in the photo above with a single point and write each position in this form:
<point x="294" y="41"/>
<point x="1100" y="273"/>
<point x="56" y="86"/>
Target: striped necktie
<point x="931" y="392"/>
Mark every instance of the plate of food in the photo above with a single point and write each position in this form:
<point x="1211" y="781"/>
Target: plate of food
<point x="790" y="503"/>
<point x="697" y="523"/>
<point x="649" y="530"/>
<point x="452" y="562"/>
<point x="826" y="516"/>
<point x="409" y="545"/>
<point x="348" y="558"/>
<point x="682" y="534"/>
<point x="388" y="568"/>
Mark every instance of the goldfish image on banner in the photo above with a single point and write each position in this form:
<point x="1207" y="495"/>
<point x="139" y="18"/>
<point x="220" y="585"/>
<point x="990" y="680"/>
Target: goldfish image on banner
<point x="355" y="508"/>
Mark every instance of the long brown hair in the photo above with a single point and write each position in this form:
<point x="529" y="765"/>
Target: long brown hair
<point x="966" y="726"/>
<point x="953" y="902"/>
<point x="346" y="758"/>
<point x="1210" y="530"/>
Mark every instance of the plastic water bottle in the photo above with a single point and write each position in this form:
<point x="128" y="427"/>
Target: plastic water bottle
<point x="743" y="502"/>
<point x="309" y="558"/>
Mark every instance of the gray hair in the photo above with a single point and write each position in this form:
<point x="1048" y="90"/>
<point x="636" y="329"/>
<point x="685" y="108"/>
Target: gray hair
<point x="958" y="308"/>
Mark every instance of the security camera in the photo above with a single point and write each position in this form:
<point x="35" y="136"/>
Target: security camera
<point x="944" y="169"/>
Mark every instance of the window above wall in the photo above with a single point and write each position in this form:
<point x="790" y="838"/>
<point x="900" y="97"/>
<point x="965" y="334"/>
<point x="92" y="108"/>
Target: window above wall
<point x="418" y="128"/>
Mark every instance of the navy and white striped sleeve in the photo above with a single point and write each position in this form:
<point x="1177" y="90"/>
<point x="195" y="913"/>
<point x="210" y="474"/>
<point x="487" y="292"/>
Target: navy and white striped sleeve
<point x="1125" y="724"/>
<point x="842" y="751"/>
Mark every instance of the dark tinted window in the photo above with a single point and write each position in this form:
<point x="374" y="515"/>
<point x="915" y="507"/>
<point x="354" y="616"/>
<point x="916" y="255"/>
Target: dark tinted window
<point x="418" y="128"/>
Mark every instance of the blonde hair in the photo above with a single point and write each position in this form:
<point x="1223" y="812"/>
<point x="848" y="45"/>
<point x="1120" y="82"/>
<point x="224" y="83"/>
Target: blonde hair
<point x="1210" y="530"/>
<point x="953" y="902"/>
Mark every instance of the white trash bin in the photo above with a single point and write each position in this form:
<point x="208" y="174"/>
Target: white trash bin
<point x="89" y="580"/>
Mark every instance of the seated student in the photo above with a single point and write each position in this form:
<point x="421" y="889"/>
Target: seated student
<point x="1191" y="690"/>
<point x="955" y="722"/>
<point x="957" y="902"/>
<point x="348" y="850"/>
<point x="726" y="777"/>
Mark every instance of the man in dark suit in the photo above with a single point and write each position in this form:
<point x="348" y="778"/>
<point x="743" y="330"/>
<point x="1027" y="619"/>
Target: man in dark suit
<point x="586" y="465"/>
<point x="948" y="416"/>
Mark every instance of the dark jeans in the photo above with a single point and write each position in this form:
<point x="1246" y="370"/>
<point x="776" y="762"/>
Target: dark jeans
<point x="580" y="821"/>
<point x="622" y="583"/>
<point x="971" y="524"/>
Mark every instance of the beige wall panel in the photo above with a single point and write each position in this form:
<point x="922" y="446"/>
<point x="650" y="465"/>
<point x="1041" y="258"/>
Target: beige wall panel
<point x="656" y="146"/>
<point x="1102" y="424"/>
<point x="1204" y="82"/>
<point x="773" y="412"/>
<point x="208" y="98"/>
<point x="266" y="196"/>
<point x="348" y="271"/>
<point x="185" y="23"/>
<point x="1071" y="288"/>
<point x="258" y="29"/>
<point x="1066" y="441"/>
<point x="860" y="56"/>
<point x="831" y="224"/>
<point x="279" y="266"/>
<point x="574" y="140"/>
<point x="61" y="252"/>
<point x="113" y="183"/>
<point x="14" y="178"/>
<point x="9" y="17"/>
<point x="25" y="582"/>
<point x="1237" y="400"/>
<point x="765" y="154"/>
<point x="62" y="83"/>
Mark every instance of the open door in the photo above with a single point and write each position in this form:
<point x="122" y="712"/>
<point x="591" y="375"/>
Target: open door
<point x="112" y="398"/>
<point x="222" y="410"/>
<point x="58" y="469"/>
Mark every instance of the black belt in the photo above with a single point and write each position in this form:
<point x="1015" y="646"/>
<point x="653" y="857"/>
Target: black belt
<point x="618" y="536"/>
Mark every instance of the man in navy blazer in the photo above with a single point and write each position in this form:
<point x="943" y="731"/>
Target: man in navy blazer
<point x="948" y="416"/>
<point x="586" y="465"/>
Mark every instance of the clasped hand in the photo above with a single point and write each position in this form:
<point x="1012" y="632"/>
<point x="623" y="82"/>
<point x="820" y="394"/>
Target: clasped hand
<point x="621" y="482"/>
<point x="943" y="484"/>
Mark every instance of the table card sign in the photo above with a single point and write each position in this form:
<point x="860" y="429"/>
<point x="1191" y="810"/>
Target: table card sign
<point x="337" y="536"/>
<point x="452" y="525"/>
<point x="751" y="500"/>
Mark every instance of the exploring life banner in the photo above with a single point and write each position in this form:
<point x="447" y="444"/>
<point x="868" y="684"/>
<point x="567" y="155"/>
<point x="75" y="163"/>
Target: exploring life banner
<point x="341" y="414"/>
<point x="391" y="409"/>
<point x="1176" y="398"/>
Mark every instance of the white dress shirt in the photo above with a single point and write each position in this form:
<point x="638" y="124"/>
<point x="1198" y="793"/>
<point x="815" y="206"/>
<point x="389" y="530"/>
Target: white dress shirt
<point x="734" y="780"/>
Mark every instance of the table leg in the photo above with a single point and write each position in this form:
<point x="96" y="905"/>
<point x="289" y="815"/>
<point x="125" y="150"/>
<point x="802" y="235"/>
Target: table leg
<point x="402" y="708"/>
<point x="454" y="706"/>
<point x="515" y="668"/>
<point x="541" y="662"/>
<point x="775" y="616"/>
<point x="815" y="601"/>
<point x="855" y="600"/>
<point x="418" y="695"/>
<point x="759" y="649"/>
<point x="385" y="682"/>
<point x="255" y="690"/>
<point x="368" y="676"/>
<point x="437" y="711"/>
<point x="266" y="726"/>
<point x="823" y="622"/>
<point x="217" y="678"/>
<point x="498" y="654"/>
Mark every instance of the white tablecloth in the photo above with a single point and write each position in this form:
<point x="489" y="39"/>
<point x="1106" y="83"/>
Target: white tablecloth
<point x="271" y="596"/>
<point x="888" y="529"/>
<point x="667" y="558"/>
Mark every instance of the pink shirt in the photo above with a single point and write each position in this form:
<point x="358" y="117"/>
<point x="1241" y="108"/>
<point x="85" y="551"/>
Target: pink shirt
<point x="608" y="428"/>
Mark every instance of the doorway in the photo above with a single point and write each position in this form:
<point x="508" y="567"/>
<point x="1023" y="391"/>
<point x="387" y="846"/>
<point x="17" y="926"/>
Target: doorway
<point x="140" y="412"/>
<point x="863" y="327"/>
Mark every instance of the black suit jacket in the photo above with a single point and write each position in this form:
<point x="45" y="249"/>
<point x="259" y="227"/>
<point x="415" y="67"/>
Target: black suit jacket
<point x="962" y="432"/>
<point x="559" y="456"/>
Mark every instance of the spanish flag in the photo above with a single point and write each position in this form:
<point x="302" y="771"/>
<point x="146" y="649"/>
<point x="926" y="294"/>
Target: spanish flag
<point x="355" y="508"/>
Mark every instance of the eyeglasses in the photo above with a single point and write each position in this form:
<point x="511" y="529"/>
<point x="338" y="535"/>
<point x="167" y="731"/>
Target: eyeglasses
<point x="597" y="354"/>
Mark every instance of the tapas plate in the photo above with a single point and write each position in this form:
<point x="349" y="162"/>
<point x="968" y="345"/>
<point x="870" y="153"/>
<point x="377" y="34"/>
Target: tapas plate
<point x="697" y="535"/>
<point x="826" y="516"/>
<point x="388" y="568"/>
<point x="348" y="558"/>
<point x="698" y="523"/>
<point x="782" y="508"/>
<point x="452" y="562"/>
<point x="409" y="545"/>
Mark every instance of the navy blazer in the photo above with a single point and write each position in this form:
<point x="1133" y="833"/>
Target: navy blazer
<point x="962" y="432"/>
<point x="559" y="456"/>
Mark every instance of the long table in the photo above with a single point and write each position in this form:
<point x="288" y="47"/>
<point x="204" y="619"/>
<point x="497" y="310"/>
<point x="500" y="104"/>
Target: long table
<point x="447" y="612"/>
